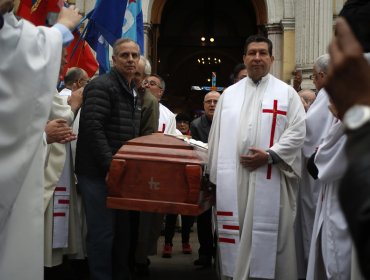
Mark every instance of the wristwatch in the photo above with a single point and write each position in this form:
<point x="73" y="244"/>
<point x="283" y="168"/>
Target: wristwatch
<point x="269" y="159"/>
<point x="356" y="116"/>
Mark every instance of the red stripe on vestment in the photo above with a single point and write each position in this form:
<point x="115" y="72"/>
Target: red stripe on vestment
<point x="226" y="240"/>
<point x="59" y="214"/>
<point x="63" y="201"/>
<point x="224" y="213"/>
<point x="230" y="227"/>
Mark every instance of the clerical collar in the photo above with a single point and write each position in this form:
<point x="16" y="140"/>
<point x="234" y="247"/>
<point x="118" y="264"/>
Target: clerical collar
<point x="257" y="83"/>
<point x="264" y="78"/>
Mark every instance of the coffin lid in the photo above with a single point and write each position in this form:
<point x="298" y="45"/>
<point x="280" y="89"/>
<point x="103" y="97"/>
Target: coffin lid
<point x="159" y="146"/>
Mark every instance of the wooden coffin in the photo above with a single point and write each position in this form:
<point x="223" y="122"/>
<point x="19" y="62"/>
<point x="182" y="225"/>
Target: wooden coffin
<point x="158" y="173"/>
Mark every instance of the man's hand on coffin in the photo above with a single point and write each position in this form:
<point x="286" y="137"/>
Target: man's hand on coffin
<point x="58" y="131"/>
<point x="255" y="159"/>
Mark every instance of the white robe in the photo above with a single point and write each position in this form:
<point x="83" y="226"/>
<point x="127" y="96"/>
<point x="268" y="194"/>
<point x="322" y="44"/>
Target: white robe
<point x="167" y="121"/>
<point x="27" y="80"/>
<point x="236" y="127"/>
<point x="318" y="122"/>
<point x="331" y="241"/>
<point x="59" y="158"/>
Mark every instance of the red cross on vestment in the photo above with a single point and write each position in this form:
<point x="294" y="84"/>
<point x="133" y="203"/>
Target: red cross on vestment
<point x="274" y="111"/>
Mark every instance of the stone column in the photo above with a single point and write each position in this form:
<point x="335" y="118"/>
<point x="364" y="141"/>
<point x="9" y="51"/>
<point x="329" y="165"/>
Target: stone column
<point x="288" y="50"/>
<point x="313" y="32"/>
<point x="147" y="40"/>
<point x="275" y="33"/>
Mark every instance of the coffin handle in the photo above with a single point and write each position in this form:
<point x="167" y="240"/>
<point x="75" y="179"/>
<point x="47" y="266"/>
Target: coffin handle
<point x="194" y="177"/>
<point x="116" y="172"/>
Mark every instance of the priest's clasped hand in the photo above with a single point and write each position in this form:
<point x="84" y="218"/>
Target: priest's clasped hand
<point x="255" y="159"/>
<point x="58" y="131"/>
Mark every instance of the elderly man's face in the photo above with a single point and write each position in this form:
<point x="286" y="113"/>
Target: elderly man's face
<point x="154" y="85"/>
<point x="318" y="78"/>
<point x="126" y="59"/>
<point x="210" y="102"/>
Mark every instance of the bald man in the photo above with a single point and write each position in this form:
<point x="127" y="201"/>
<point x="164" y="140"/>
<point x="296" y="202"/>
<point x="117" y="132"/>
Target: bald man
<point x="307" y="97"/>
<point x="75" y="78"/>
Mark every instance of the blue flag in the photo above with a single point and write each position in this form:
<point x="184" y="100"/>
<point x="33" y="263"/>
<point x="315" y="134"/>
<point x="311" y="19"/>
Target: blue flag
<point x="133" y="26"/>
<point x="105" y="27"/>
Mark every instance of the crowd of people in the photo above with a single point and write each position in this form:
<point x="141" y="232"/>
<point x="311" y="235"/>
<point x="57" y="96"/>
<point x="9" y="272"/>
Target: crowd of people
<point x="290" y="165"/>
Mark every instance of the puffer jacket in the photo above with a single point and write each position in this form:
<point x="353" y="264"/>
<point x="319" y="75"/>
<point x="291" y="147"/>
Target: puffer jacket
<point x="110" y="116"/>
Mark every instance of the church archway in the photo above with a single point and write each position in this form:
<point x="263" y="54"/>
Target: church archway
<point x="183" y="60"/>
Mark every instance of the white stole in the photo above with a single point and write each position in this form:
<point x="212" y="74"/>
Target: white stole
<point x="61" y="203"/>
<point x="267" y="186"/>
<point x="227" y="206"/>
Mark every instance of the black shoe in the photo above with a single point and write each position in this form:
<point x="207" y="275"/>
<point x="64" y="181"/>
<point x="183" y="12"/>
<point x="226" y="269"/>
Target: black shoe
<point x="203" y="261"/>
<point x="142" y="269"/>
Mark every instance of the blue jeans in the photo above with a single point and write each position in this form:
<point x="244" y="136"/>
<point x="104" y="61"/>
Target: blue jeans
<point x="108" y="232"/>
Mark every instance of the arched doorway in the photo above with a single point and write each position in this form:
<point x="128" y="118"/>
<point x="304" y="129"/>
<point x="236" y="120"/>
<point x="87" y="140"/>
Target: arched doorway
<point x="184" y="60"/>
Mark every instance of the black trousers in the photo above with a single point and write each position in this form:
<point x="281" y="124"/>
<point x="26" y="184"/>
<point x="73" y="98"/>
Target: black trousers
<point x="205" y="236"/>
<point x="169" y="229"/>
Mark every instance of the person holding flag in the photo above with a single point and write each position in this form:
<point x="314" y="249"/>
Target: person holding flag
<point x="29" y="54"/>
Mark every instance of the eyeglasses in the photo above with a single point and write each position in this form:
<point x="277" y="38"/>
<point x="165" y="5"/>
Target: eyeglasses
<point x="151" y="83"/>
<point x="314" y="76"/>
<point x="209" y="102"/>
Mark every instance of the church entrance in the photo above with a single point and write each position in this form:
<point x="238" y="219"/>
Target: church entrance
<point x="197" y="37"/>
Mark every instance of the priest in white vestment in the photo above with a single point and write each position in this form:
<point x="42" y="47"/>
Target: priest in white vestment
<point x="331" y="247"/>
<point x="318" y="122"/>
<point x="255" y="161"/>
<point x="27" y="53"/>
<point x="62" y="223"/>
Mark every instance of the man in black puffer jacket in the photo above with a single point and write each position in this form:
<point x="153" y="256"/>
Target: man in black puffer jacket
<point x="110" y="116"/>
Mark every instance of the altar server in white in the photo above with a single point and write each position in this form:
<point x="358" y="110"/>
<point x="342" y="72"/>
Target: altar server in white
<point x="318" y="122"/>
<point x="330" y="255"/>
<point x="28" y="76"/>
<point x="255" y="161"/>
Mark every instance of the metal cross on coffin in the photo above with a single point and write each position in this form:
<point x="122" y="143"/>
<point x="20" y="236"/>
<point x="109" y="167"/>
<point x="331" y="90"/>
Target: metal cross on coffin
<point x="274" y="111"/>
<point x="211" y="88"/>
<point x="153" y="185"/>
